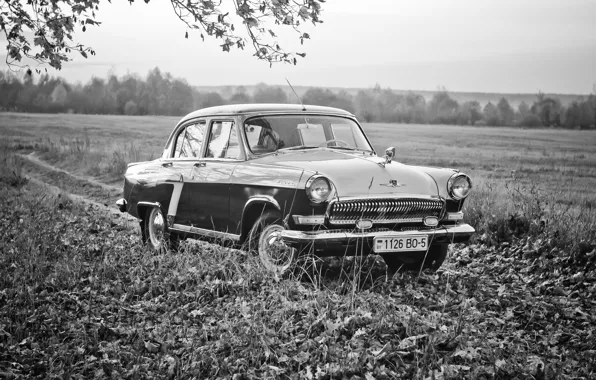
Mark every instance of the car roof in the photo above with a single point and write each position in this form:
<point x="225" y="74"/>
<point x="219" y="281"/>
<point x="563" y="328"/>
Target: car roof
<point x="249" y="109"/>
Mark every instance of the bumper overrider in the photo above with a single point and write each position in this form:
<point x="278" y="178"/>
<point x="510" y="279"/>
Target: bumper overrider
<point x="323" y="240"/>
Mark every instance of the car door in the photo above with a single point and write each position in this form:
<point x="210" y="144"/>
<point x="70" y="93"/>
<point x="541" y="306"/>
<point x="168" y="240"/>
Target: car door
<point x="185" y="154"/>
<point x="210" y="179"/>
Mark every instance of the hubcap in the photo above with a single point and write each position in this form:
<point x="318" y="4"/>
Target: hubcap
<point x="272" y="250"/>
<point x="156" y="227"/>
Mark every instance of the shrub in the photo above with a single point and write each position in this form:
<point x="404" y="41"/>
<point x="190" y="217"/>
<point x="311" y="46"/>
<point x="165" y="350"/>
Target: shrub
<point x="130" y="108"/>
<point x="530" y="121"/>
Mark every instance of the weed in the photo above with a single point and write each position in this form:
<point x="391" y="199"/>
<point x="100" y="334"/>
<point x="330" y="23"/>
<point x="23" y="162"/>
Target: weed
<point x="81" y="297"/>
<point x="11" y="166"/>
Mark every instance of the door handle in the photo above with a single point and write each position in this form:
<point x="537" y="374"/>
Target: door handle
<point x="167" y="164"/>
<point x="200" y="164"/>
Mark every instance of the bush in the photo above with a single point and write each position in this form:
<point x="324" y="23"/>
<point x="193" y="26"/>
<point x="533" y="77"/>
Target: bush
<point x="130" y="108"/>
<point x="530" y="121"/>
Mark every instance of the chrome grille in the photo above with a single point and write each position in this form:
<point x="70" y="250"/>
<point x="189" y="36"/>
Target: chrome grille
<point x="400" y="210"/>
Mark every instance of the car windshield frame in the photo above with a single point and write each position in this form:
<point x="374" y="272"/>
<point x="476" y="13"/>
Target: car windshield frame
<point x="307" y="127"/>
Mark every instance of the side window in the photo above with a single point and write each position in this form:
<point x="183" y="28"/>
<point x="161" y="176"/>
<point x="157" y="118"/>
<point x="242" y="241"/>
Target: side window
<point x="223" y="141"/>
<point x="233" y="150"/>
<point x="253" y="132"/>
<point x="190" y="140"/>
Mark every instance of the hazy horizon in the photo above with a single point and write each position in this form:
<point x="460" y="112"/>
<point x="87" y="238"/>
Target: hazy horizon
<point x="464" y="46"/>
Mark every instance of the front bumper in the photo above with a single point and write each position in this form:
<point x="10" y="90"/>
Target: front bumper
<point x="332" y="241"/>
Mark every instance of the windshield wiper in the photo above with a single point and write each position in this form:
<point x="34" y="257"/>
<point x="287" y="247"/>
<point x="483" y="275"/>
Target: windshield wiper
<point x="300" y="147"/>
<point x="342" y="147"/>
<point x="349" y="148"/>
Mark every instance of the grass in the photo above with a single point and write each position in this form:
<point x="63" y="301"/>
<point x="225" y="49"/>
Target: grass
<point x="80" y="297"/>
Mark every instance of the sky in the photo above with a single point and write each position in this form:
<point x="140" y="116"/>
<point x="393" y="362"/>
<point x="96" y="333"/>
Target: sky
<point x="506" y="46"/>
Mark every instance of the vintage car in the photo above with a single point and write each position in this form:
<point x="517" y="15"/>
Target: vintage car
<point x="288" y="180"/>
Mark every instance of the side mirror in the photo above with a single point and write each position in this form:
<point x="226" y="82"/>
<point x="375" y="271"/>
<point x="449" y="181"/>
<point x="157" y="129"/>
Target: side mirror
<point x="389" y="154"/>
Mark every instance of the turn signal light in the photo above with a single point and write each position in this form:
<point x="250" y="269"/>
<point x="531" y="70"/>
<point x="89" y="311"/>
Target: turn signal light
<point x="431" y="221"/>
<point x="364" y="224"/>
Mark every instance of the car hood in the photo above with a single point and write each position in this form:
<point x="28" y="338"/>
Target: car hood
<point x="355" y="174"/>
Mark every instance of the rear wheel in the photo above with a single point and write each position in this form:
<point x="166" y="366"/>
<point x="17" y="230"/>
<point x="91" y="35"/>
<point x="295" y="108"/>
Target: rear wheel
<point x="156" y="233"/>
<point x="264" y="238"/>
<point x="432" y="259"/>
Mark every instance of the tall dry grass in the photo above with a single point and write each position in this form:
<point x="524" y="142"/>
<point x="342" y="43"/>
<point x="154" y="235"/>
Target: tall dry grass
<point x="83" y="155"/>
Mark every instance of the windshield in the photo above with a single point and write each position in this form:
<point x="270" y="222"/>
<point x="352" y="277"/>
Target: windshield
<point x="266" y="134"/>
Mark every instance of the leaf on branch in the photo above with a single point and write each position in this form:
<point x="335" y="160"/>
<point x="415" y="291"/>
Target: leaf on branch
<point x="186" y="34"/>
<point x="304" y="13"/>
<point x="251" y="22"/>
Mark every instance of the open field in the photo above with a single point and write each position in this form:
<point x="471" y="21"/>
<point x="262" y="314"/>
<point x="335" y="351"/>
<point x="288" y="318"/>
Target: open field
<point x="80" y="297"/>
<point x="542" y="176"/>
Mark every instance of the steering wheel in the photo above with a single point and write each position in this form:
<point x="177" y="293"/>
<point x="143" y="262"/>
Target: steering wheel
<point x="337" y="141"/>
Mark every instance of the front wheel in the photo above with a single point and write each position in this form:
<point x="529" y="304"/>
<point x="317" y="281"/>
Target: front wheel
<point x="265" y="239"/>
<point x="156" y="233"/>
<point x="433" y="259"/>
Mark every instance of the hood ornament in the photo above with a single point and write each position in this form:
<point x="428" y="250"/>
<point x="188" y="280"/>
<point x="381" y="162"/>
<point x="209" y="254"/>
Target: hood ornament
<point x="392" y="183"/>
<point x="389" y="154"/>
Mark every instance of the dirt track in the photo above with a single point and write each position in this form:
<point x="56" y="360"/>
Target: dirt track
<point x="85" y="189"/>
<point x="80" y="189"/>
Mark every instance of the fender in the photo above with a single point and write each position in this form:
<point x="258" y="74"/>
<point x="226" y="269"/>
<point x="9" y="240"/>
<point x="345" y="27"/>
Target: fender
<point x="262" y="199"/>
<point x="142" y="205"/>
<point x="248" y="212"/>
<point x="148" y="204"/>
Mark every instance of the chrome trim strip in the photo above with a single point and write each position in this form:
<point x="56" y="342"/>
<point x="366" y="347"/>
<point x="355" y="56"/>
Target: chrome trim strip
<point x="388" y="196"/>
<point x="152" y="204"/>
<point x="262" y="198"/>
<point x="454" y="215"/>
<point x="297" y="219"/>
<point x="204" y="232"/>
<point x="307" y="237"/>
<point x="173" y="207"/>
<point x="149" y="204"/>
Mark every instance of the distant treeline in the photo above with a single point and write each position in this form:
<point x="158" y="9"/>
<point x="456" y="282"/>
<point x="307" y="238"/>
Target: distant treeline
<point x="161" y="94"/>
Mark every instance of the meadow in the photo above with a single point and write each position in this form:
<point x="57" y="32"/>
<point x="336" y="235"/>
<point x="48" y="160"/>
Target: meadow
<point x="80" y="297"/>
<point x="529" y="177"/>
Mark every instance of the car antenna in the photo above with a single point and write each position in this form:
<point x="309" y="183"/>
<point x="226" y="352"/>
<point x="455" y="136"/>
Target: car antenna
<point x="300" y="100"/>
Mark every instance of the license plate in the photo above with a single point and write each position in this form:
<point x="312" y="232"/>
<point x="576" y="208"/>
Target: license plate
<point x="401" y="243"/>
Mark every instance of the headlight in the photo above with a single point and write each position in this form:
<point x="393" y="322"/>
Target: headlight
<point x="459" y="186"/>
<point x="318" y="189"/>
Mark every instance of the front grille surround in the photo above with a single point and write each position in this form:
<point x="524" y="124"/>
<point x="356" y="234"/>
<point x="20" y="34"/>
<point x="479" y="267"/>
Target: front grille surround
<point x="384" y="210"/>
